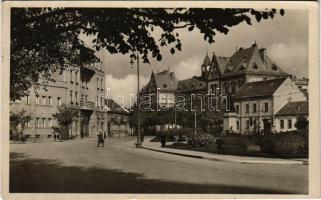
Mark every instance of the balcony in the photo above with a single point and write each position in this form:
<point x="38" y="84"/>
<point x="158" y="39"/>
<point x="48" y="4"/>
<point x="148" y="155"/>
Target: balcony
<point x="87" y="105"/>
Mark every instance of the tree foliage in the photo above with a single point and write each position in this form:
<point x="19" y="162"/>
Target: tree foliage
<point x="302" y="123"/>
<point x="64" y="117"/>
<point x="17" y="119"/>
<point x="45" y="40"/>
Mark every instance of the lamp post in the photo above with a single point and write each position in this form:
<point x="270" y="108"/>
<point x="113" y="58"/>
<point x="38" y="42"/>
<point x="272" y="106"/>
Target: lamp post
<point x="139" y="141"/>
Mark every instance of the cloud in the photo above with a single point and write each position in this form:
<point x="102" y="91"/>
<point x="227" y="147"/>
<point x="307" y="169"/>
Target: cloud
<point x="292" y="57"/>
<point x="123" y="90"/>
<point x="189" y="67"/>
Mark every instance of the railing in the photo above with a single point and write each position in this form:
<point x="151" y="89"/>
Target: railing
<point x="88" y="105"/>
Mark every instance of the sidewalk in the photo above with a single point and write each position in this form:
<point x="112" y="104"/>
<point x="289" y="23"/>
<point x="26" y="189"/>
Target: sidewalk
<point x="155" y="146"/>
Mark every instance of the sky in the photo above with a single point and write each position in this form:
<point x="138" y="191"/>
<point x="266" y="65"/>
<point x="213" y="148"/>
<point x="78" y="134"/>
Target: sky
<point x="285" y="38"/>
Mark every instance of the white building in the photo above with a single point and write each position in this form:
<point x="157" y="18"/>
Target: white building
<point x="256" y="105"/>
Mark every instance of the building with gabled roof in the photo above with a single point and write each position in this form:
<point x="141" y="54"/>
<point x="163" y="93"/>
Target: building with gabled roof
<point x="161" y="89"/>
<point x="228" y="74"/>
<point x="257" y="105"/>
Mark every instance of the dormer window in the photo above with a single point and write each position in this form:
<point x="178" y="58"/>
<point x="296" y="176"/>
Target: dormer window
<point x="242" y="67"/>
<point x="193" y="86"/>
<point x="254" y="66"/>
<point x="164" y="86"/>
<point x="274" y="67"/>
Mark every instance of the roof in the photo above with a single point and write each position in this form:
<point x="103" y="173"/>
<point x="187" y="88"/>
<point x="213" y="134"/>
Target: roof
<point x="259" y="88"/>
<point x="165" y="81"/>
<point x="294" y="108"/>
<point x="251" y="60"/>
<point x="207" y="60"/>
<point x="222" y="62"/>
<point x="113" y="107"/>
<point x="191" y="84"/>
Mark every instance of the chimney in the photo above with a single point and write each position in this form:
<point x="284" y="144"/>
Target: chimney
<point x="262" y="54"/>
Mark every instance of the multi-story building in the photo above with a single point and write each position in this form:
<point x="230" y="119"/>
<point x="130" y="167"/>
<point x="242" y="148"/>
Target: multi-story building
<point x="257" y="105"/>
<point x="226" y="75"/>
<point x="161" y="89"/>
<point x="117" y="120"/>
<point x="81" y="88"/>
<point x="249" y="79"/>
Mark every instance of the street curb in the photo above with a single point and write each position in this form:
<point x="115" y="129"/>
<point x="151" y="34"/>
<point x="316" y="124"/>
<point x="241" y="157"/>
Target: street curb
<point x="229" y="160"/>
<point x="178" y="154"/>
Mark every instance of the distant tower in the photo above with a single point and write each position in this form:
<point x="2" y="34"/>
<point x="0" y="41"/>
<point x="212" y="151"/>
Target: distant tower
<point x="205" y="66"/>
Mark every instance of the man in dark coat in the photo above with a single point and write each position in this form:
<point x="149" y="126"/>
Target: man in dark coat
<point x="163" y="139"/>
<point x="100" y="139"/>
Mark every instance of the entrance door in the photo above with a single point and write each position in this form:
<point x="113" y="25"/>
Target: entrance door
<point x="267" y="126"/>
<point x="85" y="116"/>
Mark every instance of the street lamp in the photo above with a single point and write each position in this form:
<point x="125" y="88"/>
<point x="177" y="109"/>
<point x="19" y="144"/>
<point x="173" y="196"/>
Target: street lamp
<point x="139" y="141"/>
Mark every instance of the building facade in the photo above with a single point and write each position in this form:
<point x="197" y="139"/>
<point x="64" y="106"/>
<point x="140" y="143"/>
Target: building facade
<point x="257" y="103"/>
<point x="81" y="88"/>
<point x="117" y="120"/>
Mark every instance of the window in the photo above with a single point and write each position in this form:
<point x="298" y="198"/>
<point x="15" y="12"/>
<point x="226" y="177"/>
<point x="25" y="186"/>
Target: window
<point x="101" y="101"/>
<point x="49" y="123"/>
<point x="76" y="97"/>
<point x="247" y="124"/>
<point x="274" y="67"/>
<point x="86" y="98"/>
<point x="71" y="77"/>
<point x="101" y="84"/>
<point x="97" y="83"/>
<point x="237" y="125"/>
<point x="281" y="124"/>
<point x="82" y="97"/>
<point x="28" y="124"/>
<point x="71" y="97"/>
<point x="254" y="108"/>
<point x="50" y="101"/>
<point x="37" y="100"/>
<point x="247" y="108"/>
<point x="237" y="109"/>
<point x="28" y="100"/>
<point x="289" y="123"/>
<point x="59" y="101"/>
<point x="97" y="101"/>
<point x="233" y="88"/>
<point x="254" y="65"/>
<point x="43" y="122"/>
<point x="76" y="77"/>
<point x="266" y="107"/>
<point x="38" y="123"/>
<point x="43" y="100"/>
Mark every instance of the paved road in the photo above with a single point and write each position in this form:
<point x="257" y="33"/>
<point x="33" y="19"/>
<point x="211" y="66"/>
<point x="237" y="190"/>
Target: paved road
<point x="214" y="176"/>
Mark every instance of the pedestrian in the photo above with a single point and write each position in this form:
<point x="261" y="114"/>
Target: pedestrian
<point x="105" y="134"/>
<point x="100" y="139"/>
<point x="219" y="143"/>
<point x="163" y="139"/>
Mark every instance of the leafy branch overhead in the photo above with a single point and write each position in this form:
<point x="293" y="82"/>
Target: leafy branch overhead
<point x="46" y="40"/>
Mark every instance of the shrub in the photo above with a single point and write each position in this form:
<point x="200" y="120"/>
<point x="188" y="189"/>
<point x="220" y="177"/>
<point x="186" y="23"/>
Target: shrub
<point x="285" y="144"/>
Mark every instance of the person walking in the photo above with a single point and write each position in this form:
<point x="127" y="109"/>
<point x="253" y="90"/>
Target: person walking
<point x="163" y="139"/>
<point x="100" y="139"/>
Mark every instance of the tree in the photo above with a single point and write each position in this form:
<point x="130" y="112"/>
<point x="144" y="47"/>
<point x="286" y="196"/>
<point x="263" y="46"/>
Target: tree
<point x="18" y="121"/>
<point x="302" y="123"/>
<point x="46" y="40"/>
<point x="64" y="117"/>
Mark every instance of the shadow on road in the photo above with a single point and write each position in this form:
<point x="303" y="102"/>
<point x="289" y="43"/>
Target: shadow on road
<point x="29" y="175"/>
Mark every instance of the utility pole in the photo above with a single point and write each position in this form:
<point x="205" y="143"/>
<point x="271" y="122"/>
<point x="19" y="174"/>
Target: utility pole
<point x="139" y="141"/>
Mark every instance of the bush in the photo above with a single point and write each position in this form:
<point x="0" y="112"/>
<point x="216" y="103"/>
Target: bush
<point x="285" y="144"/>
